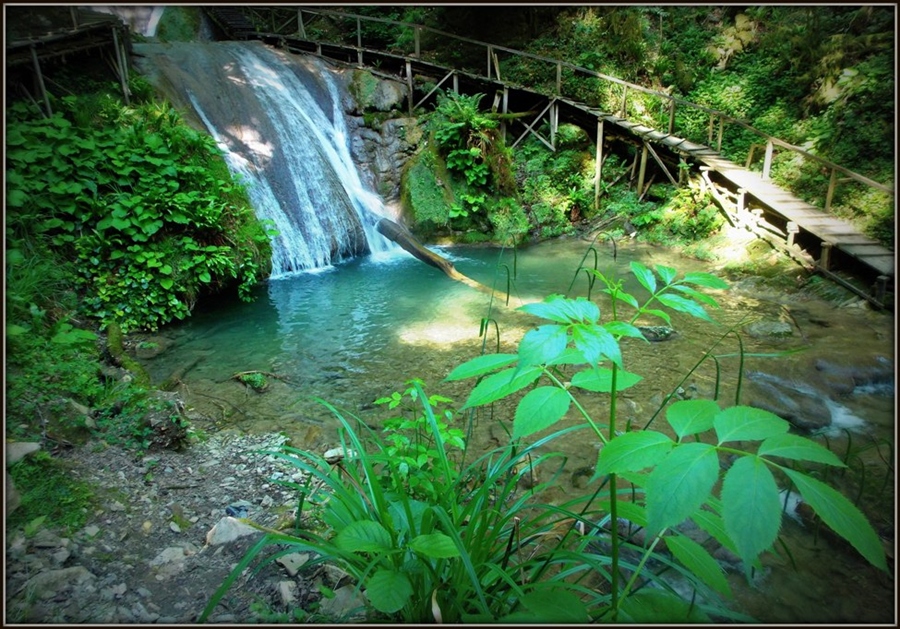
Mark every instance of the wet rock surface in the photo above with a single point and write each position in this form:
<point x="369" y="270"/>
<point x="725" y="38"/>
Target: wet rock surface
<point x="158" y="542"/>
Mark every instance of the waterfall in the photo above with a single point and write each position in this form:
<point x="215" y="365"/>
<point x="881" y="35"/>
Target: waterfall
<point x="143" y="20"/>
<point x="280" y="120"/>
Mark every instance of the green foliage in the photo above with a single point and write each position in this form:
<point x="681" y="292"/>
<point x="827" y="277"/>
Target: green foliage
<point x="424" y="195"/>
<point x="255" y="380"/>
<point x="49" y="493"/>
<point x="142" y="206"/>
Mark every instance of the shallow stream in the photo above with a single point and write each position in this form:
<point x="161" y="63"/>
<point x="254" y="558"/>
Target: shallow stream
<point x="358" y="331"/>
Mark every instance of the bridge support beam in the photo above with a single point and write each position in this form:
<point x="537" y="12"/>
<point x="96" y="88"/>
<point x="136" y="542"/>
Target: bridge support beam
<point x="825" y="258"/>
<point x="409" y="85"/>
<point x="881" y="287"/>
<point x="643" y="171"/>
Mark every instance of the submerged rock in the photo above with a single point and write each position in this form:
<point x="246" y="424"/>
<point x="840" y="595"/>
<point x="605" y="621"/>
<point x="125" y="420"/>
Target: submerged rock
<point x="794" y="402"/>
<point x="658" y="333"/>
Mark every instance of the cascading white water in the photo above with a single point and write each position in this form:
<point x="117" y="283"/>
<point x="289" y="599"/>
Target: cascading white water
<point x="283" y="130"/>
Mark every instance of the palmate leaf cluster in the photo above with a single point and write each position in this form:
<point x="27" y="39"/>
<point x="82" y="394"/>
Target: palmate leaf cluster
<point x="141" y="204"/>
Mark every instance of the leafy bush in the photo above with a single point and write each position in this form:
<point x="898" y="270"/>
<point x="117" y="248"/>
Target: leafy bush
<point x="141" y="204"/>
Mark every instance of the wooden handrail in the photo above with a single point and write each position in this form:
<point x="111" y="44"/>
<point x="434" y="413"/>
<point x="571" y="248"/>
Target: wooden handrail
<point x="558" y="63"/>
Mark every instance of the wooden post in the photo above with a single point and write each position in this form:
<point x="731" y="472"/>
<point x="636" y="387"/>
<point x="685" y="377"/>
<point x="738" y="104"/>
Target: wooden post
<point x="505" y="107"/>
<point x="672" y="118"/>
<point x="792" y="230"/>
<point x="319" y="49"/>
<point x="455" y="83"/>
<point x="40" y="78"/>
<point x="554" y="123"/>
<point x="742" y="204"/>
<point x="721" y="128"/>
<point x="825" y="258"/>
<point x="490" y="50"/>
<point x="710" y="129"/>
<point x="643" y="171"/>
<point x="496" y="66"/>
<point x="598" y="164"/>
<point x="832" y="182"/>
<point x="634" y="164"/>
<point x="409" y="85"/>
<point x="625" y="102"/>
<point x="74" y="13"/>
<point x="750" y="156"/>
<point x="767" y="163"/>
<point x="120" y="57"/>
<point x="417" y="38"/>
<point x="559" y="78"/>
<point x="881" y="287"/>
<point x="301" y="30"/>
<point x="358" y="33"/>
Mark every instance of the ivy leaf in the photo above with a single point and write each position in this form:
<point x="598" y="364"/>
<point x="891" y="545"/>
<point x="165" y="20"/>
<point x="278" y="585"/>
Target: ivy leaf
<point x="166" y="282"/>
<point x="435" y="545"/>
<point x="750" y="507"/>
<point x="539" y="409"/>
<point x="680" y="484"/>
<point x="501" y="384"/>
<point x="746" y="423"/>
<point x="205" y="277"/>
<point x="798" y="448"/>
<point x="542" y="345"/>
<point x="599" y="380"/>
<point x="698" y="560"/>
<point x="841" y="515"/>
<point x="388" y="590"/>
<point x="690" y="417"/>
<point x="481" y="365"/>
<point x="644" y="276"/>
<point x="633" y="452"/>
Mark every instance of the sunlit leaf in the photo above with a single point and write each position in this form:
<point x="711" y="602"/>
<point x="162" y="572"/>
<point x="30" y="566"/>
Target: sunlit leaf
<point x="552" y="308"/>
<point x="798" y="448"/>
<point x="633" y="452"/>
<point x="841" y="515"/>
<point x="690" y="417"/>
<point x="621" y="328"/>
<point x="698" y="560"/>
<point x="595" y="341"/>
<point x="751" y="509"/>
<point x="540" y="408"/>
<point x="435" y="545"/>
<point x="364" y="536"/>
<point x="662" y="314"/>
<point x="542" y="345"/>
<point x="666" y="273"/>
<point x="644" y="276"/>
<point x="705" y="279"/>
<point x="501" y="384"/>
<point x="746" y="423"/>
<point x="679" y="484"/>
<point x="695" y="294"/>
<point x="599" y="380"/>
<point x="481" y="365"/>
<point x="680" y="304"/>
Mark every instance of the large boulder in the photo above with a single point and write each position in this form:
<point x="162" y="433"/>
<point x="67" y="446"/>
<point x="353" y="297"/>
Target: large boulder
<point x="795" y="402"/>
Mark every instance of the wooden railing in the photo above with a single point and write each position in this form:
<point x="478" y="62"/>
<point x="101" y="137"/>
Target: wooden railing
<point x="653" y="108"/>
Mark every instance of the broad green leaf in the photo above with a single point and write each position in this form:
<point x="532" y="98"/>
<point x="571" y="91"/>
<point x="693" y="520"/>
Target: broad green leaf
<point x="746" y="423"/>
<point x="555" y="606"/>
<point x="712" y="523"/>
<point x="666" y="273"/>
<point x="165" y="269"/>
<point x="599" y="380"/>
<point x="662" y="314"/>
<point x="205" y="277"/>
<point x="690" y="417"/>
<point x="680" y="304"/>
<point x="435" y="545"/>
<point x="501" y="384"/>
<point x="625" y="298"/>
<point x="364" y="536"/>
<point x="698" y="560"/>
<point x="841" y="515"/>
<point x="540" y="408"/>
<point x="679" y="484"/>
<point x="583" y="310"/>
<point x="542" y="345"/>
<point x="633" y="452"/>
<point x="15" y="330"/>
<point x="798" y="448"/>
<point x="652" y="606"/>
<point x="644" y="276"/>
<point x="388" y="591"/>
<point x="751" y="509"/>
<point x="621" y="328"/>
<point x="595" y="341"/>
<point x="571" y="356"/>
<point x="553" y="308"/>
<point x="705" y="279"/>
<point x="695" y="294"/>
<point x="481" y="365"/>
<point x="167" y="282"/>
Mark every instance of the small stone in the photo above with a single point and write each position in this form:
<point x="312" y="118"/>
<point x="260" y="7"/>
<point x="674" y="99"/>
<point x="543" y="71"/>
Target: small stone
<point x="173" y="553"/>
<point x="293" y="562"/>
<point x="146" y="527"/>
<point x="60" y="556"/>
<point x="91" y="531"/>
<point x="347" y="605"/>
<point x="287" y="593"/>
<point x="228" y="529"/>
<point x="18" y="450"/>
<point x="266" y="501"/>
<point x="336" y="575"/>
<point x="143" y="592"/>
<point x="46" y="585"/>
<point x="46" y="539"/>
<point x="174" y="526"/>
<point x="116" y="506"/>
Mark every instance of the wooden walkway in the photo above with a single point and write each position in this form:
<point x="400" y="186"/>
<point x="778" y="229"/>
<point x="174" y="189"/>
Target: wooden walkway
<point x="799" y="223"/>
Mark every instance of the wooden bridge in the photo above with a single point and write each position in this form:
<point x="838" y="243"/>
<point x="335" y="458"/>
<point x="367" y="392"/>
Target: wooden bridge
<point x="632" y="113"/>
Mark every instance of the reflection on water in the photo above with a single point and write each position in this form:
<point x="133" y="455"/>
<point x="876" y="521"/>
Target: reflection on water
<point x="359" y="330"/>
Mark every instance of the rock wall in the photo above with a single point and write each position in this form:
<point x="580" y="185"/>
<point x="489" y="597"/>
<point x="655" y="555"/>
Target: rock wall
<point x="383" y="135"/>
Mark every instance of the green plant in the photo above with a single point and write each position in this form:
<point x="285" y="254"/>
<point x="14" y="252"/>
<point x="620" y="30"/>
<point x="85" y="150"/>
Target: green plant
<point x="255" y="380"/>
<point x="50" y="494"/>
